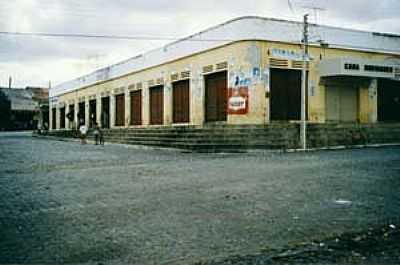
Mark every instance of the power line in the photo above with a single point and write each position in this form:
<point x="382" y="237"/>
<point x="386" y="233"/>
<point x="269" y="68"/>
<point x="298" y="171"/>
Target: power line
<point x="114" y="37"/>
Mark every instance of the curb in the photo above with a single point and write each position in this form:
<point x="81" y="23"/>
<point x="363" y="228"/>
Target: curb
<point x="239" y="151"/>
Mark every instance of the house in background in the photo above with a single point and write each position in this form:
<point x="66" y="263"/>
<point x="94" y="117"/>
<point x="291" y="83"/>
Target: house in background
<point x="24" y="108"/>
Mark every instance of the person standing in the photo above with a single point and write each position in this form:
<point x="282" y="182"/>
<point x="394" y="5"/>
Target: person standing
<point x="97" y="134"/>
<point x="83" y="132"/>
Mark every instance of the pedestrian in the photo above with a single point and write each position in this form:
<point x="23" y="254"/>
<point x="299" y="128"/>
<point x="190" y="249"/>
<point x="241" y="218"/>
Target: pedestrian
<point x="83" y="132"/>
<point x="98" y="135"/>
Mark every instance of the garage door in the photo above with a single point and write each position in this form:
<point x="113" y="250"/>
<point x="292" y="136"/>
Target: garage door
<point x="341" y="103"/>
<point x="285" y="99"/>
<point x="81" y="113"/>
<point x="62" y="118"/>
<point x="389" y="100"/>
<point x="105" y="112"/>
<point x="92" y="112"/>
<point x="180" y="101"/>
<point x="120" y="110"/>
<point x="157" y="105"/>
<point x="53" y="118"/>
<point x="216" y="97"/>
<point x="136" y="107"/>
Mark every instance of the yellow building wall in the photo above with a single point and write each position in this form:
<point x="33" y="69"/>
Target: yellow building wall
<point x="242" y="58"/>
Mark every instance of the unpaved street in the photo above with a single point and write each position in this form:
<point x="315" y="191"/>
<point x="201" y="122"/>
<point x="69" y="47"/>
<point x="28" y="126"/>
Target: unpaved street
<point x="62" y="202"/>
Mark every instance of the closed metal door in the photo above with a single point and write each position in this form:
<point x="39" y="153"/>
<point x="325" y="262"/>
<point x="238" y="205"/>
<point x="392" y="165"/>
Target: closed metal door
<point x="81" y="113"/>
<point x="92" y="112"/>
<point x="342" y="103"/>
<point x="349" y="104"/>
<point x="105" y="112"/>
<point x="136" y="107"/>
<point x="181" y="101"/>
<point x="332" y="103"/>
<point x="216" y="97"/>
<point x="120" y="110"/>
<point x="388" y="100"/>
<point x="53" y="118"/>
<point x="157" y="105"/>
<point x="62" y="118"/>
<point x="285" y="102"/>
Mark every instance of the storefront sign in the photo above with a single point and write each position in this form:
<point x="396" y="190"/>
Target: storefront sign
<point x="286" y="54"/>
<point x="238" y="100"/>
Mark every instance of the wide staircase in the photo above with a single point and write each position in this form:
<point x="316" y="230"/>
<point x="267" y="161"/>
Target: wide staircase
<point x="241" y="138"/>
<point x="213" y="138"/>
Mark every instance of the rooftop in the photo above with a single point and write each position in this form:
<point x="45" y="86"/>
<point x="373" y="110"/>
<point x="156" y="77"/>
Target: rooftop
<point x="243" y="28"/>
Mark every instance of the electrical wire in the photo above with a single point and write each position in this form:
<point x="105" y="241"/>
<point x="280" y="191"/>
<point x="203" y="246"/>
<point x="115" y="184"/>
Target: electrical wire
<point x="114" y="37"/>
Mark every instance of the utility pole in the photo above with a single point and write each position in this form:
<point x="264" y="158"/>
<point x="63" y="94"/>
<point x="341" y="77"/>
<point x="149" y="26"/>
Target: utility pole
<point x="9" y="82"/>
<point x="303" y="125"/>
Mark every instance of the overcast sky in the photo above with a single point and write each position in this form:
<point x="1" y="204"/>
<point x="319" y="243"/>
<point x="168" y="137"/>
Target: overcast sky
<point x="33" y="61"/>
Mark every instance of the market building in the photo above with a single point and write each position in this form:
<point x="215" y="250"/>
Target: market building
<point x="245" y="71"/>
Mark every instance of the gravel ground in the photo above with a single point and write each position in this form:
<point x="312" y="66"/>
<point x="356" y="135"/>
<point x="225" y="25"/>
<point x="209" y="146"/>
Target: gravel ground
<point x="62" y="202"/>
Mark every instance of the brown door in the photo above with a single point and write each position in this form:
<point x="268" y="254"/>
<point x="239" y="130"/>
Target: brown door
<point x="62" y="118"/>
<point x="81" y="113"/>
<point x="285" y="102"/>
<point x="388" y="100"/>
<point x="156" y="105"/>
<point x="71" y="113"/>
<point x="53" y="118"/>
<point x="120" y="110"/>
<point x="92" y="112"/>
<point x="180" y="101"/>
<point x="136" y="107"/>
<point x="216" y="97"/>
<point x="105" y="112"/>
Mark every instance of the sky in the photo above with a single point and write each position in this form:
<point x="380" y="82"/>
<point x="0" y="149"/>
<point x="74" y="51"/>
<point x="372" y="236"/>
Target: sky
<point x="38" y="60"/>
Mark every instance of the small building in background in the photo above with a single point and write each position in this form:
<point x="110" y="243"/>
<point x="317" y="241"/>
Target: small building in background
<point x="24" y="108"/>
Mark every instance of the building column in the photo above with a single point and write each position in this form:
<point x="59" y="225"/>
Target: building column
<point x="87" y="114"/>
<point x="112" y="110"/>
<point x="197" y="98"/>
<point x="368" y="109"/>
<point x="98" y="109"/>
<point x="66" y="113"/>
<point x="58" y="117"/>
<point x="50" y="117"/>
<point x="167" y="103"/>
<point x="127" y="98"/>
<point x="76" y="110"/>
<point x="266" y="77"/>
<point x="145" y="106"/>
<point x="373" y="100"/>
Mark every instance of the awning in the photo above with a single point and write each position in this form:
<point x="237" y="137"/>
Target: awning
<point x="359" y="67"/>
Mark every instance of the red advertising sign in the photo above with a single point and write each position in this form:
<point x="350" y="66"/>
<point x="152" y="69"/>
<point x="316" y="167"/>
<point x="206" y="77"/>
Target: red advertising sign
<point x="238" y="100"/>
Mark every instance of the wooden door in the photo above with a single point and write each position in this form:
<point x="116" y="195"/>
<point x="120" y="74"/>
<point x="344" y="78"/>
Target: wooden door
<point x="62" y="118"/>
<point x="388" y="100"/>
<point x="81" y="113"/>
<point x="181" y="102"/>
<point x="53" y="118"/>
<point x="157" y="105"/>
<point x="136" y="107"/>
<point x="105" y="112"/>
<point x="285" y="102"/>
<point x="120" y="110"/>
<point x="216" y="97"/>
<point x="92" y="113"/>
